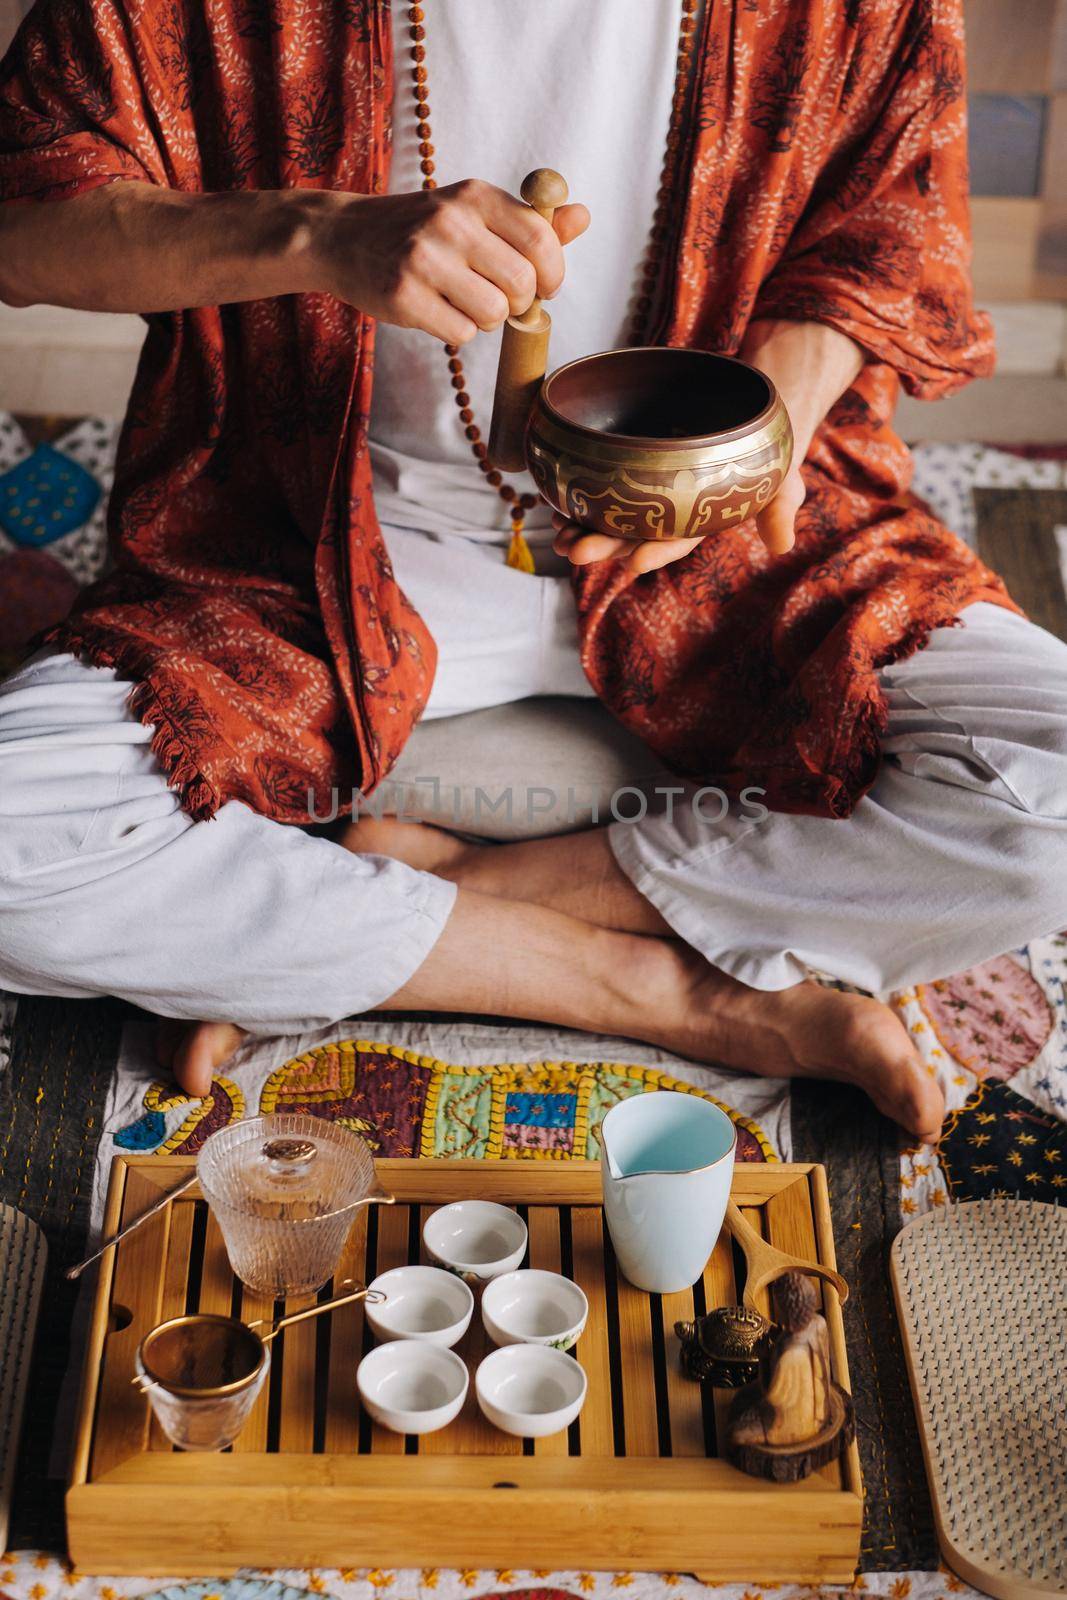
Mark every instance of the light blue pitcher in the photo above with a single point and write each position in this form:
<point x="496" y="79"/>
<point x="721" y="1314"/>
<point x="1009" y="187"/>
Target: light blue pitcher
<point x="666" y="1160"/>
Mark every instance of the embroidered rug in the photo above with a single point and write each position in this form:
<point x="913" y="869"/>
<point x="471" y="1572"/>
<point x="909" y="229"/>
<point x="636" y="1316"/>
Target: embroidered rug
<point x="30" y="1577"/>
<point x="470" y="1090"/>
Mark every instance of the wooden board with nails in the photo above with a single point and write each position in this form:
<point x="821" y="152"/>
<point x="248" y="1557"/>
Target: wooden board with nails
<point x="637" y="1481"/>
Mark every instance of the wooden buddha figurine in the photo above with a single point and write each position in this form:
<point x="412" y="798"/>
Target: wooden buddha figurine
<point x="794" y="1417"/>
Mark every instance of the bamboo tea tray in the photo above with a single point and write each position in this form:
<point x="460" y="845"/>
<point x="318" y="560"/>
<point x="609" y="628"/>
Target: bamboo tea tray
<point x="637" y="1483"/>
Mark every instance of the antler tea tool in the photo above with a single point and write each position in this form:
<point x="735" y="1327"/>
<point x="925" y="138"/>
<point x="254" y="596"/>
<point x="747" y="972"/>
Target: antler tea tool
<point x="765" y="1263"/>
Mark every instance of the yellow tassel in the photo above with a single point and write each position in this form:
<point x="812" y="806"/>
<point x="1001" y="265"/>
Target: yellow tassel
<point x="519" y="554"/>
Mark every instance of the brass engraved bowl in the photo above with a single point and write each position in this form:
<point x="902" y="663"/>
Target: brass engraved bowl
<point x="658" y="443"/>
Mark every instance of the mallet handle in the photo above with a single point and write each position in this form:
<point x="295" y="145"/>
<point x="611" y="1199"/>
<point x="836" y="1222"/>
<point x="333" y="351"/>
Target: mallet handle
<point x="524" y="346"/>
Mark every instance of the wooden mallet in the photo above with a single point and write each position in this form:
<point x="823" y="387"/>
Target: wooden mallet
<point x="524" y="349"/>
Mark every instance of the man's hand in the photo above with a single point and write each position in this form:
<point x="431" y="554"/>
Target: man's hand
<point x="451" y="261"/>
<point x="811" y="366"/>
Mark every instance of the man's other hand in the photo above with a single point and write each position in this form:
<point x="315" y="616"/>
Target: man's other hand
<point x="811" y="366"/>
<point x="642" y="555"/>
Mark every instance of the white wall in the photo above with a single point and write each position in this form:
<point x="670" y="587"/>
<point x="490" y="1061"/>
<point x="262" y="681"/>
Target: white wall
<point x="67" y="363"/>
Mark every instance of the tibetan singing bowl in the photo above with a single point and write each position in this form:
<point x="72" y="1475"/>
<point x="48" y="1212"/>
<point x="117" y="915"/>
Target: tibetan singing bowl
<point x="651" y="443"/>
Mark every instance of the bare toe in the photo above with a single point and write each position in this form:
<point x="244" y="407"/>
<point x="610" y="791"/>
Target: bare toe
<point x="810" y="1031"/>
<point x="881" y="1059"/>
<point x="203" y="1047"/>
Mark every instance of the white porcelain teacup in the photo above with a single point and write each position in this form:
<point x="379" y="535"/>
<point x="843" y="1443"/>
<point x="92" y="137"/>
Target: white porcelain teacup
<point x="530" y="1391"/>
<point x="666" y="1162"/>
<point x="409" y="1386"/>
<point x="534" y="1307"/>
<point x="425" y="1303"/>
<point x="476" y="1239"/>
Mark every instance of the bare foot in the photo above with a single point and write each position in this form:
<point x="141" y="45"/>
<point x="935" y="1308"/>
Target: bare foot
<point x="193" y="1050"/>
<point x="509" y="958"/>
<point x="808" y="1031"/>
<point x="418" y="844"/>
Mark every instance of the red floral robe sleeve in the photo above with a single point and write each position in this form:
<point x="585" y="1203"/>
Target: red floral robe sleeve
<point x="75" y="104"/>
<point x="882" y="250"/>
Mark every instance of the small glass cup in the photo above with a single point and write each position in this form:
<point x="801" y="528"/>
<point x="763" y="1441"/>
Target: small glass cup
<point x="284" y="1190"/>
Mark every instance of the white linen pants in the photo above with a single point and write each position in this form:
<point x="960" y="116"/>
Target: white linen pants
<point x="958" y="853"/>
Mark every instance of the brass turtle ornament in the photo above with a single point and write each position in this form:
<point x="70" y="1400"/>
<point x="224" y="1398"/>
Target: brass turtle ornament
<point x="724" y="1347"/>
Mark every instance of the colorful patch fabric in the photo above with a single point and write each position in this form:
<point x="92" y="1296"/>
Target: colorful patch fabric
<point x="1004" y="1020"/>
<point x="45" y="497"/>
<point x="225" y="1104"/>
<point x="408" y="1104"/>
<point x="998" y="1144"/>
<point x="994" y="1020"/>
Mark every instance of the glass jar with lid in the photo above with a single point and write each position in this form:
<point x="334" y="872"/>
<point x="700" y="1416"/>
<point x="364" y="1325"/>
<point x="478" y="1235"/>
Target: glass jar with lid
<point x="285" y="1189"/>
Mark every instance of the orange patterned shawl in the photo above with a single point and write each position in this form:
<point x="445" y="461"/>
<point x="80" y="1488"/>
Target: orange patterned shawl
<point x="822" y="176"/>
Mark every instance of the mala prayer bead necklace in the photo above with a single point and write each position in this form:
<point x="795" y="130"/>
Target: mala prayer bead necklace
<point x="518" y="550"/>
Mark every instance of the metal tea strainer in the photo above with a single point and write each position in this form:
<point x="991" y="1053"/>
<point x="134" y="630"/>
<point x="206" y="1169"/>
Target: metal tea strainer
<point x="203" y="1372"/>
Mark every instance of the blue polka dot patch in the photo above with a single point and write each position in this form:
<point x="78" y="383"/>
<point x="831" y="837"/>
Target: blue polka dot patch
<point x="45" y="496"/>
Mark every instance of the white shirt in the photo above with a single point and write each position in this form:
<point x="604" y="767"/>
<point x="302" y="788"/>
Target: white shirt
<point x="584" y="86"/>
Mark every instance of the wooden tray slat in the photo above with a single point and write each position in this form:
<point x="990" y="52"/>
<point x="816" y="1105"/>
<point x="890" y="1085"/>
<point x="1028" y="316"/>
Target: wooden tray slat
<point x="587" y="1243"/>
<point x="175" y="1288"/>
<point x="136" y="1292"/>
<point x="393" y="1225"/>
<point x="346" y="1345"/>
<point x="720" y="1289"/>
<point x="311" y="1479"/>
<point x="295" y="1351"/>
<point x="253" y="1436"/>
<point x="684" y="1399"/>
<point x="216" y="1278"/>
<point x="638" y="1361"/>
<point x="546" y="1253"/>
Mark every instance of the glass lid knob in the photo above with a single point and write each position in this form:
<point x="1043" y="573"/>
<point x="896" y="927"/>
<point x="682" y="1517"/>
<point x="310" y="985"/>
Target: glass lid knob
<point x="289" y="1157"/>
